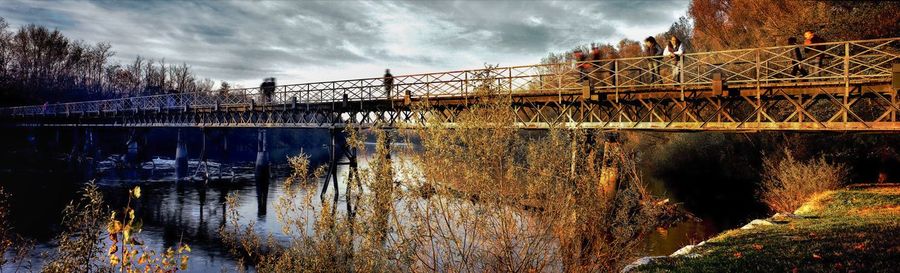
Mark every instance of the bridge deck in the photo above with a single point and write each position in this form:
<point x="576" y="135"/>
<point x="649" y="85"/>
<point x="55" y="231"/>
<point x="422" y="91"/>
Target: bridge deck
<point x="735" y="90"/>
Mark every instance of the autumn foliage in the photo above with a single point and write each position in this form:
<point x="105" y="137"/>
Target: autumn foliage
<point x="731" y="24"/>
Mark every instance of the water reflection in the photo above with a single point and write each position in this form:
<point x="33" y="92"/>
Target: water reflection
<point x="262" y="196"/>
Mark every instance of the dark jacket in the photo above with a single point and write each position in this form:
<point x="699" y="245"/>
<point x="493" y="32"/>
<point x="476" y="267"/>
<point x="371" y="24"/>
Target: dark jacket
<point x="653" y="50"/>
<point x="796" y="54"/>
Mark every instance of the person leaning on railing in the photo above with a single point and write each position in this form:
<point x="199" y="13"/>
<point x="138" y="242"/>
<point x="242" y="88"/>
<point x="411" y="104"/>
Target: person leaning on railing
<point x="654" y="51"/>
<point x="674" y="50"/>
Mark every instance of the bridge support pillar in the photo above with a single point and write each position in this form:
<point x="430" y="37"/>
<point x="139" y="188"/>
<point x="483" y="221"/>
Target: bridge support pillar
<point x="352" y="177"/>
<point x="132" y="155"/>
<point x="203" y="163"/>
<point x="612" y="161"/>
<point x="261" y="173"/>
<point x="132" y="146"/>
<point x="91" y="153"/>
<point x="262" y="158"/>
<point x="181" y="158"/>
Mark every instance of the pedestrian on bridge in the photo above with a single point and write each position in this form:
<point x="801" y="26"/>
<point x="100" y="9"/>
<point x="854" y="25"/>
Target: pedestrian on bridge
<point x="596" y="68"/>
<point x="268" y="89"/>
<point x="388" y="83"/>
<point x="815" y="50"/>
<point x="796" y="59"/>
<point x="654" y="51"/>
<point x="674" y="50"/>
<point x="581" y="65"/>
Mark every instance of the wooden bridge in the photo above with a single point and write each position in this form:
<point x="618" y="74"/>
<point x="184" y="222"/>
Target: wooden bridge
<point x="851" y="86"/>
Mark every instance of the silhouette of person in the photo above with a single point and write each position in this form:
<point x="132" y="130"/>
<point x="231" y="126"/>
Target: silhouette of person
<point x="268" y="89"/>
<point x="796" y="59"/>
<point x="388" y="83"/>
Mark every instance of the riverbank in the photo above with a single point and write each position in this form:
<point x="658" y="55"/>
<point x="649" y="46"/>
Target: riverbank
<point x="856" y="229"/>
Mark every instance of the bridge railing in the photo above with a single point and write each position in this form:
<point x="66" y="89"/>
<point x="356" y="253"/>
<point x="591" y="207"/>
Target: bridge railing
<point x="835" y="62"/>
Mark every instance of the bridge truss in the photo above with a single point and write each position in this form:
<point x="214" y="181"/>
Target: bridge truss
<point x="849" y="88"/>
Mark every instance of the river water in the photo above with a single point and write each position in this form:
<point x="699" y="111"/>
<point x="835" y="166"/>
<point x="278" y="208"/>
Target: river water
<point x="192" y="212"/>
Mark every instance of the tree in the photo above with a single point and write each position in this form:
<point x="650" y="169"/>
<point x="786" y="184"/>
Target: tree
<point x="224" y="88"/>
<point x="730" y="24"/>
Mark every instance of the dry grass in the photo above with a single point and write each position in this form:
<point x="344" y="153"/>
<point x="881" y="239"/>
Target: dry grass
<point x="788" y="182"/>
<point x="79" y="243"/>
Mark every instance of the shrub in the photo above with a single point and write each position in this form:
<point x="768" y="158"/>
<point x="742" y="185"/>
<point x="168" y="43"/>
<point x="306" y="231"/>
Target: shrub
<point x="788" y="182"/>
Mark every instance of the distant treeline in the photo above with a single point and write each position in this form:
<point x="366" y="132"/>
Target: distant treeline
<point x="39" y="65"/>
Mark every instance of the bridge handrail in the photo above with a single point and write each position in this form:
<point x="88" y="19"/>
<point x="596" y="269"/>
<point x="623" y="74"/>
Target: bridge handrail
<point x="853" y="60"/>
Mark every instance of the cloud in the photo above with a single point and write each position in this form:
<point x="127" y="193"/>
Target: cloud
<point x="245" y="41"/>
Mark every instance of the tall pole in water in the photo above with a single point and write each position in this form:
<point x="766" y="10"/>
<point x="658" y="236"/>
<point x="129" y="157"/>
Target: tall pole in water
<point x="181" y="158"/>
<point x="262" y="157"/>
<point x="262" y="173"/>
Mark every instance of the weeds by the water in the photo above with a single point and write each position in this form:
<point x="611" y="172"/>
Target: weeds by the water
<point x="86" y="223"/>
<point x="80" y="240"/>
<point x="788" y="182"/>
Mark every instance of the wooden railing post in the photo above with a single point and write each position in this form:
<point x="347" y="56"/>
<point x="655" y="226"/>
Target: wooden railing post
<point x="616" y="74"/>
<point x="681" y="74"/>
<point x="758" y="89"/>
<point x="846" y="80"/>
<point x="510" y="81"/>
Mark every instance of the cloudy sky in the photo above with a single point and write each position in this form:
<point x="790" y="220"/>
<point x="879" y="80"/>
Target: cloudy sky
<point x="303" y="41"/>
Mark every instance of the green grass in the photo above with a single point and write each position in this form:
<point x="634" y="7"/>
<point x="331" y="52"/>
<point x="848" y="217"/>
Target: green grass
<point x="849" y="230"/>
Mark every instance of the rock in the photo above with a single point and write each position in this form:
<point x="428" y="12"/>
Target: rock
<point x="642" y="261"/>
<point x="686" y="250"/>
<point x="755" y="223"/>
<point x="784" y="217"/>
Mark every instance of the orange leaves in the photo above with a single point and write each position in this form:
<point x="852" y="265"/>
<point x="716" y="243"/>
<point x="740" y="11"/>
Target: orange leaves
<point x="114" y="226"/>
<point x="738" y="255"/>
<point x="127" y="253"/>
<point x="757" y="247"/>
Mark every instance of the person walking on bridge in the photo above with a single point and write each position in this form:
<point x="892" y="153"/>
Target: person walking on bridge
<point x="268" y="89"/>
<point x="654" y="51"/>
<point x="814" y="50"/>
<point x="796" y="59"/>
<point x="581" y="65"/>
<point x="596" y="68"/>
<point x="674" y="50"/>
<point x="388" y="83"/>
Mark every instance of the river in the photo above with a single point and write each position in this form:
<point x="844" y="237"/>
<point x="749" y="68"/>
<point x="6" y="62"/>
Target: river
<point x="192" y="212"/>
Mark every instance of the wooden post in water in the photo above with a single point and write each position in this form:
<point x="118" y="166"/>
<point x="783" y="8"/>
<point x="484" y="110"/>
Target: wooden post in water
<point x="332" y="168"/>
